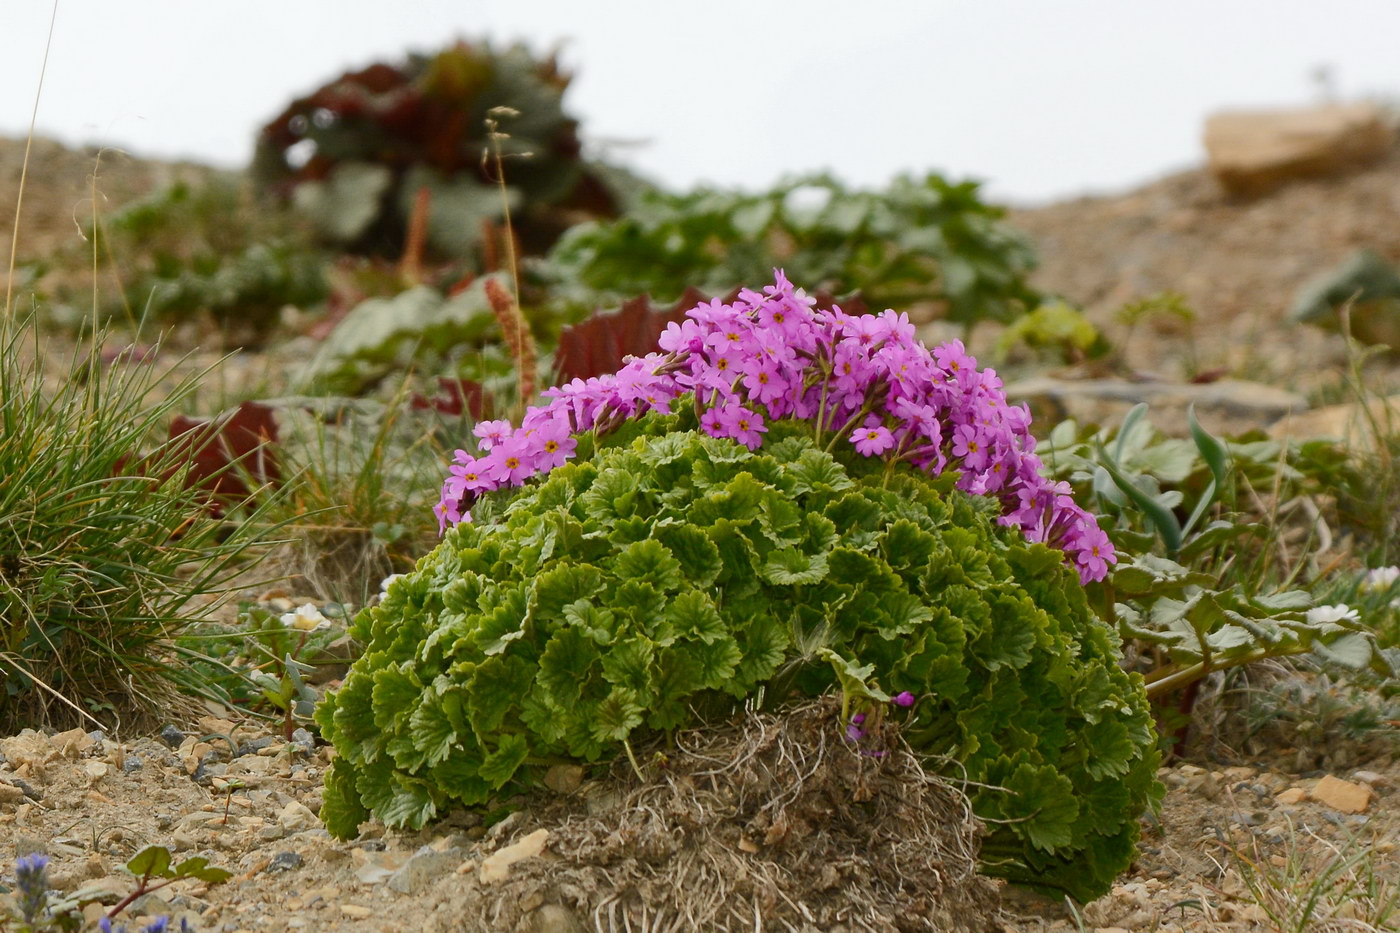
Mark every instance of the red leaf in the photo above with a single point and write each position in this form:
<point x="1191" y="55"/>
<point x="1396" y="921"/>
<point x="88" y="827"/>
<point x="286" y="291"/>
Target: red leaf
<point x="224" y="449"/>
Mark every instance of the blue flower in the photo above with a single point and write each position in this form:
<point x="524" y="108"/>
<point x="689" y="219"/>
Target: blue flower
<point x="33" y="885"/>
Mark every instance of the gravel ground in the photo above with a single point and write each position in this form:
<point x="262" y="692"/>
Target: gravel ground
<point x="90" y="803"/>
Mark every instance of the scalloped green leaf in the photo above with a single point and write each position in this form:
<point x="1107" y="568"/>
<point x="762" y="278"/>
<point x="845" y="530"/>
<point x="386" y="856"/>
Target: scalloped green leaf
<point x="410" y="804"/>
<point x="561" y="585"/>
<point x="790" y="567"/>
<point x="500" y="766"/>
<point x="1045" y="800"/>
<point x="396" y="692"/>
<point x="341" y="809"/>
<point x="817" y="471"/>
<point x="432" y="730"/>
<point x="612" y="495"/>
<point x="614" y="718"/>
<point x="699" y="558"/>
<point x="496" y="685"/>
<point x="648" y="562"/>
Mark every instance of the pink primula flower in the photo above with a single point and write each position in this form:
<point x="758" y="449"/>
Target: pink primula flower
<point x="872" y="440"/>
<point x="772" y="352"/>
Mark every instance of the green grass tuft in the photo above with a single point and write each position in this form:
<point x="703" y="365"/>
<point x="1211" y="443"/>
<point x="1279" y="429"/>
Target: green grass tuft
<point x="105" y="556"/>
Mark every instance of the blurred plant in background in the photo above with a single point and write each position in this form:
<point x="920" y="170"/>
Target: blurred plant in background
<point x="354" y="155"/>
<point x="921" y="241"/>
<point x="210" y="249"/>
<point x="198" y="251"/>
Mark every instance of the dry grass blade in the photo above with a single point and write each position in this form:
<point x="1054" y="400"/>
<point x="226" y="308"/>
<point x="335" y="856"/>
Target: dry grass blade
<point x="1316" y="886"/>
<point x="517" y="336"/>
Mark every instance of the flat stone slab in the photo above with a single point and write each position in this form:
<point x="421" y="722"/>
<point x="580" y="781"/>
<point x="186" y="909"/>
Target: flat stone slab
<point x="1228" y="406"/>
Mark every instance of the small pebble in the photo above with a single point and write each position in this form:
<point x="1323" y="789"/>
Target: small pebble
<point x="172" y="736"/>
<point x="132" y="763"/>
<point x="305" y="740"/>
<point x="285" y="861"/>
<point x="29" y="792"/>
<point x="255" y="746"/>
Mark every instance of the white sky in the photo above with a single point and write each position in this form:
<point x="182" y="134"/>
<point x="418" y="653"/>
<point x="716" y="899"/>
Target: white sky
<point x="1040" y="98"/>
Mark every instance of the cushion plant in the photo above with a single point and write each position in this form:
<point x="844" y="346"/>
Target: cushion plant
<point x="674" y="569"/>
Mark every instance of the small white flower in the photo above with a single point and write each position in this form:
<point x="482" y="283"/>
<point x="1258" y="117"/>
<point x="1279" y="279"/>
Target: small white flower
<point x="384" y="584"/>
<point x="1338" y="613"/>
<point x="1382" y="578"/>
<point x="307" y="618"/>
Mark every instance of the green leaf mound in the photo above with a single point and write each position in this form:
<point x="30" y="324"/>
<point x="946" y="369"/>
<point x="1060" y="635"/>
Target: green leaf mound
<point x="665" y="580"/>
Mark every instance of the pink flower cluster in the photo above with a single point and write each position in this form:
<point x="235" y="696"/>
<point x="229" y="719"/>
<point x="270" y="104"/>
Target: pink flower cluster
<point x="862" y="380"/>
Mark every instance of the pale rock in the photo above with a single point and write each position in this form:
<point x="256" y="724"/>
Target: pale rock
<point x="201" y="818"/>
<point x="443" y="843"/>
<point x="1240" y="773"/>
<point x="148" y="904"/>
<point x="251" y="764"/>
<point x="63" y="879"/>
<point x="1350" y="422"/>
<point x="1253" y="914"/>
<point x="95" y="771"/>
<point x="1291" y="795"/>
<point x="422" y="867"/>
<point x="564" y="779"/>
<point x="181" y="841"/>
<point x="1373" y="778"/>
<point x="1343" y="796"/>
<point x="496" y="866"/>
<point x="375" y="867"/>
<point x="1253" y="152"/>
<point x="296" y="817"/>
<point x="73" y="743"/>
<point x="29" y="845"/>
<point x="214" y="725"/>
<point x="499" y="829"/>
<point x="356" y="911"/>
<point x="551" y="918"/>
<point x="1199" y="781"/>
<point x="28" y="748"/>
<point x="1227" y="406"/>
